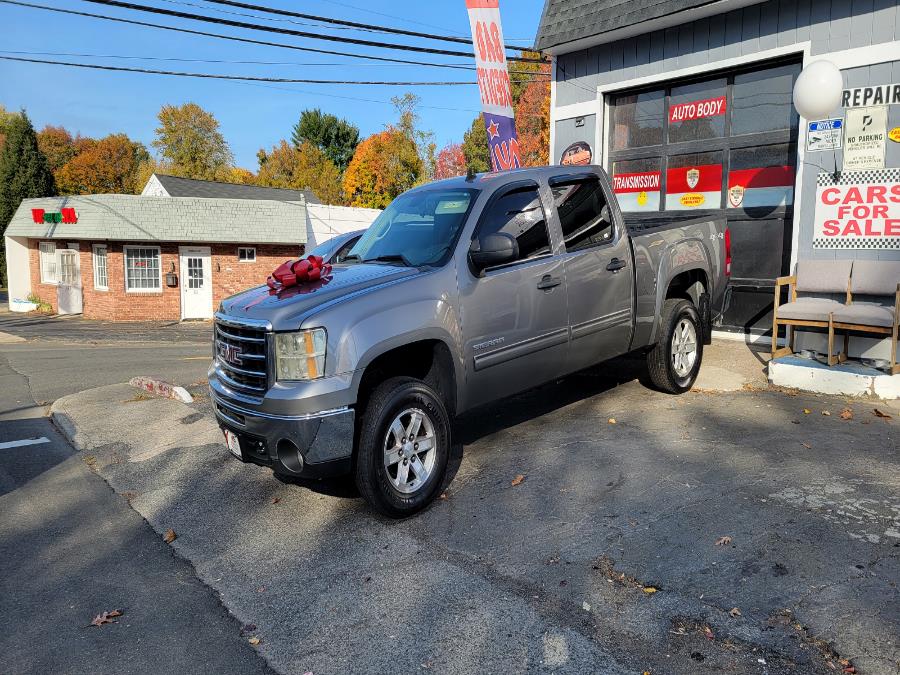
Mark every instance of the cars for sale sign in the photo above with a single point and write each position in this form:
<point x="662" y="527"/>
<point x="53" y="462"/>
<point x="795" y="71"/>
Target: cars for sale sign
<point x="493" y="83"/>
<point x="860" y="211"/>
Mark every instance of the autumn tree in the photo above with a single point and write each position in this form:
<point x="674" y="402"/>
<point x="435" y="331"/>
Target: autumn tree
<point x="238" y="175"/>
<point x="384" y="165"/>
<point x="408" y="124"/>
<point x="450" y="162"/>
<point x="300" y="168"/>
<point x="522" y="73"/>
<point x="23" y="172"/>
<point x="57" y="145"/>
<point x="190" y="143"/>
<point x="335" y="137"/>
<point x="475" y="147"/>
<point x="533" y="124"/>
<point x="110" y="165"/>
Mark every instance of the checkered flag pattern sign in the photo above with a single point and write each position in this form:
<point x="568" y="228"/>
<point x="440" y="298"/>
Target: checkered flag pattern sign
<point x="861" y="210"/>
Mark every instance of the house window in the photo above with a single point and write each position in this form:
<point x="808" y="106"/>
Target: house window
<point x="48" y="262"/>
<point x="246" y="254"/>
<point x="101" y="278"/>
<point x="142" y="269"/>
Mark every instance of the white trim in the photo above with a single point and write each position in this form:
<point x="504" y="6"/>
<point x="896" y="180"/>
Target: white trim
<point x="859" y="57"/>
<point x="41" y="254"/>
<point x="246" y="248"/>
<point x="567" y="112"/>
<point x="141" y="291"/>
<point x="552" y="108"/>
<point x="94" y="256"/>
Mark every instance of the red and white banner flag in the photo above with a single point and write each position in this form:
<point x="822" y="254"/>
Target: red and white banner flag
<point x="694" y="187"/>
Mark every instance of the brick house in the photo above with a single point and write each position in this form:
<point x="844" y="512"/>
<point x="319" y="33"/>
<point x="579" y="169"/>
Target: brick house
<point x="134" y="257"/>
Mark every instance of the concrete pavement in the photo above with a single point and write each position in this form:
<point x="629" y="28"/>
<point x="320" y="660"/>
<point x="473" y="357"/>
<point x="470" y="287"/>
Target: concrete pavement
<point x="605" y="559"/>
<point x="72" y="548"/>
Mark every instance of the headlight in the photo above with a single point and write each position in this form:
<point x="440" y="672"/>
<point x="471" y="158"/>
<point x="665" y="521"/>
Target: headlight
<point x="300" y="355"/>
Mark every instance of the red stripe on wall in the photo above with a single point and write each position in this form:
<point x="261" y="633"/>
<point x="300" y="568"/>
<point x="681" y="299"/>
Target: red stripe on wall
<point x="769" y="176"/>
<point x="710" y="179"/>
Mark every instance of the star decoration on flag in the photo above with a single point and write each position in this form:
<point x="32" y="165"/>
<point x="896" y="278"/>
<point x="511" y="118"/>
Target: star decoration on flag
<point x="493" y="129"/>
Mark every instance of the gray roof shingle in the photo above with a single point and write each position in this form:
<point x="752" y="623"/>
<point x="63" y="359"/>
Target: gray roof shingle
<point x="190" y="187"/>
<point x="166" y="219"/>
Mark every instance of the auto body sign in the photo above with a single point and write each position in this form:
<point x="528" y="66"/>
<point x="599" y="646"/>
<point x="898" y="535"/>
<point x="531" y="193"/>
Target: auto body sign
<point x="493" y="83"/>
<point x="860" y="211"/>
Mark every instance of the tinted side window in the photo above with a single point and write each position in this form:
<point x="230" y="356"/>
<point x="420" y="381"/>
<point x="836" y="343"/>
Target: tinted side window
<point x="583" y="217"/>
<point x="520" y="214"/>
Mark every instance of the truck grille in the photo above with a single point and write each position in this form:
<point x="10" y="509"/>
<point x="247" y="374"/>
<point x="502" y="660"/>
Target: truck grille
<point x="241" y="356"/>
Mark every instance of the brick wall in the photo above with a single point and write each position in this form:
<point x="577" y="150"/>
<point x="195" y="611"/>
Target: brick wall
<point x="229" y="276"/>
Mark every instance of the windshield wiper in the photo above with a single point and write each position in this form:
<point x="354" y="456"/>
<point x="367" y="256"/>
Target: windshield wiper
<point x="394" y="257"/>
<point x="352" y="256"/>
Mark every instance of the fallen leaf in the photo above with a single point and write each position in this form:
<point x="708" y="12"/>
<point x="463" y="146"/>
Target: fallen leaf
<point x="586" y="607"/>
<point x="518" y="480"/>
<point x="846" y="414"/>
<point x="106" y="617"/>
<point x="735" y="612"/>
<point x="806" y="411"/>
<point x="880" y="414"/>
<point x="650" y="590"/>
<point x="826" y="413"/>
<point x="707" y="631"/>
<point x="723" y="541"/>
<point x="443" y="495"/>
<point x="170" y="536"/>
<point x="254" y="641"/>
<point x="807" y="446"/>
<point x="275" y="500"/>
<point x="611" y="420"/>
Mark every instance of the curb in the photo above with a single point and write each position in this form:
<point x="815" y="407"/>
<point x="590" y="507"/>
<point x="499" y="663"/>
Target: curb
<point x="161" y="388"/>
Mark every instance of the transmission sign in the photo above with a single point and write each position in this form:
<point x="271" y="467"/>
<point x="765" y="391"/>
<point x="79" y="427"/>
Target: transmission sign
<point x="493" y="83"/>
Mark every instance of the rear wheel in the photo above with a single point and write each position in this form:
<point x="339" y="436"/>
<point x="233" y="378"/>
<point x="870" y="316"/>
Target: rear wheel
<point x="404" y="444"/>
<point x="674" y="361"/>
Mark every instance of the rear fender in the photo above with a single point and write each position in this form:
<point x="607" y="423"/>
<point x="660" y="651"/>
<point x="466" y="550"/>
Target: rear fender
<point x="683" y="256"/>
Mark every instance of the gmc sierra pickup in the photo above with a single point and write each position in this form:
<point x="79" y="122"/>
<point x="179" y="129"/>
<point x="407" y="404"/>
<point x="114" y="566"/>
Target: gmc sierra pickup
<point x="461" y="292"/>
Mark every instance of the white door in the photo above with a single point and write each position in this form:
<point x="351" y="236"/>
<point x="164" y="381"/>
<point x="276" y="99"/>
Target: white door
<point x="68" y="292"/>
<point x="196" y="282"/>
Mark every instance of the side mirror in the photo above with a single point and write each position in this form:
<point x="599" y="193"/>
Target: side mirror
<point x="492" y="250"/>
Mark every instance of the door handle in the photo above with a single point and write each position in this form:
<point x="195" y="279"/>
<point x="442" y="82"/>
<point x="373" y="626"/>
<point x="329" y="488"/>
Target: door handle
<point x="547" y="282"/>
<point x="615" y="265"/>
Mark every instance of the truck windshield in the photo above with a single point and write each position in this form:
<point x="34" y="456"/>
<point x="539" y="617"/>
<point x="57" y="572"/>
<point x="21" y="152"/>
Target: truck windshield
<point x="417" y="228"/>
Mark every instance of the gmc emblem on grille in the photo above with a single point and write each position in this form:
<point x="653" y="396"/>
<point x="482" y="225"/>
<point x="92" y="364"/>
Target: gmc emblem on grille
<point x="230" y="353"/>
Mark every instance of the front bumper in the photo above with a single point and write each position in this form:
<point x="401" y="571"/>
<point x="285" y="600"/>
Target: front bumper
<point x="310" y="446"/>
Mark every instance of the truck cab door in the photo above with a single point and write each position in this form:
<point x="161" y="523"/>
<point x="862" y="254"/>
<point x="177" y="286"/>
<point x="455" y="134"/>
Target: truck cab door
<point x="599" y="269"/>
<point x="514" y="315"/>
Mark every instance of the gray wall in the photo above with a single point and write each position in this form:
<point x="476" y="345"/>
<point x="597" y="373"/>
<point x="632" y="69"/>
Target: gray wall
<point x="829" y="25"/>
<point x="567" y="133"/>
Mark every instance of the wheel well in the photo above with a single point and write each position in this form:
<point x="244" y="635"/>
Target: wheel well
<point x="689" y="285"/>
<point x="426" y="360"/>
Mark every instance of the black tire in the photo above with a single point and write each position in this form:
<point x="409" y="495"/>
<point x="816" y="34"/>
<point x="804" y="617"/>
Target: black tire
<point x="373" y="478"/>
<point x="660" y="361"/>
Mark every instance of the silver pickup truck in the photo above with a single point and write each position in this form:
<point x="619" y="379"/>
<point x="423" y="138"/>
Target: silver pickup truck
<point x="462" y="292"/>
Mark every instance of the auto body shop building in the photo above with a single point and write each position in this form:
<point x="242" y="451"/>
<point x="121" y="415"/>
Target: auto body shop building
<point x="688" y="105"/>
<point x="142" y="257"/>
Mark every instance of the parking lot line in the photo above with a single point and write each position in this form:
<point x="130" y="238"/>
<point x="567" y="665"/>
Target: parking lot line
<point x="24" y="441"/>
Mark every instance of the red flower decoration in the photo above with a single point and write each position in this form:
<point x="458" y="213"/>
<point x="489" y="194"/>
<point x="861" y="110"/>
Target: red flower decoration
<point x="294" y="272"/>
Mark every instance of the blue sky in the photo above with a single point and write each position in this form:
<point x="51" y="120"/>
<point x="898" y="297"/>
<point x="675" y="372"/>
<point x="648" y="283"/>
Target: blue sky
<point x="96" y="103"/>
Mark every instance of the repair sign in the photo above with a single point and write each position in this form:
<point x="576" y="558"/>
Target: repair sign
<point x="860" y="211"/>
<point x="493" y="83"/>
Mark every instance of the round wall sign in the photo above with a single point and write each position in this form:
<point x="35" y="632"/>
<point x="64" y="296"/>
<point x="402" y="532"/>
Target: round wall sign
<point x="577" y="154"/>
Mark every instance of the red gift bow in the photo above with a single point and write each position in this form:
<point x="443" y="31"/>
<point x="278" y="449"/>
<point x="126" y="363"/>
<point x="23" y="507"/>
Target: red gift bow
<point x="293" y="272"/>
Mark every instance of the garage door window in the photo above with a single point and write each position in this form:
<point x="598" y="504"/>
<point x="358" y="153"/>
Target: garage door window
<point x="142" y="269"/>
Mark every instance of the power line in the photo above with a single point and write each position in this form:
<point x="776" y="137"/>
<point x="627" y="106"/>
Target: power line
<point x="247" y="78"/>
<point x="296" y="33"/>
<point x="181" y="60"/>
<point x="229" y="77"/>
<point x="342" y="22"/>
<point x="233" y="38"/>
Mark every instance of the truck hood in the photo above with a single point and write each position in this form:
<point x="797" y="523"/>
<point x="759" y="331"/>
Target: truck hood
<point x="284" y="308"/>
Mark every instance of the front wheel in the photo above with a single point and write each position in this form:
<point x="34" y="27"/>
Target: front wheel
<point x="404" y="444"/>
<point x="674" y="361"/>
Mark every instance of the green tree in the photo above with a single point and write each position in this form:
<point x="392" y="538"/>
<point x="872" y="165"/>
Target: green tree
<point x="408" y="124"/>
<point x="23" y="173"/>
<point x="6" y="119"/>
<point x="336" y="137"/>
<point x="475" y="147"/>
<point x="189" y="140"/>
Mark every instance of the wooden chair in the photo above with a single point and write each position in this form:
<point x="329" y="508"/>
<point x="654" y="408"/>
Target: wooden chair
<point x="811" y="276"/>
<point x="878" y="278"/>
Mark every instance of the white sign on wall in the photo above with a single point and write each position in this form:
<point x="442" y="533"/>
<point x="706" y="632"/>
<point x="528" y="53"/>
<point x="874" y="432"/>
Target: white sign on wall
<point x="864" y="138"/>
<point x="824" y="134"/>
<point x="860" y="211"/>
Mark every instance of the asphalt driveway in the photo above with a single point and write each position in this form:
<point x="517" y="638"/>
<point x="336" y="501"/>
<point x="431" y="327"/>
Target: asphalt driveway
<point x="749" y="531"/>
